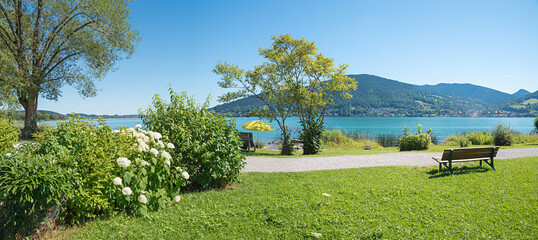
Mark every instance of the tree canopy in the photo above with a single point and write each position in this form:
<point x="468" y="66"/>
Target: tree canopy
<point x="295" y="79"/>
<point x="45" y="45"/>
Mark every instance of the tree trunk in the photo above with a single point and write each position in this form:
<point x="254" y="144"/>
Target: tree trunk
<point x="30" y="112"/>
<point x="287" y="148"/>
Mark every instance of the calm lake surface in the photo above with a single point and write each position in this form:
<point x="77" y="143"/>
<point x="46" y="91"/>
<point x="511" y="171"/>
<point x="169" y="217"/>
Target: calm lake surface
<point x="441" y="127"/>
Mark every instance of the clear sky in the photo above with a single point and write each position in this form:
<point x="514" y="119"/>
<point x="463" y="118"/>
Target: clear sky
<point x="489" y="43"/>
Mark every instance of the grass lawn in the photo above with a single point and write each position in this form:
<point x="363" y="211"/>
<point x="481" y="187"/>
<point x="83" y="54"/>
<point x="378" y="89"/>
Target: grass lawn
<point x="365" y="203"/>
<point x="335" y="151"/>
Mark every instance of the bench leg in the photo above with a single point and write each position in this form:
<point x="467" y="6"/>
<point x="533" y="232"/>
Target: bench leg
<point x="480" y="163"/>
<point x="440" y="167"/>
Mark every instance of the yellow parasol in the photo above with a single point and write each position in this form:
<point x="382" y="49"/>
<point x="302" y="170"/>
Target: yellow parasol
<point x="258" y="126"/>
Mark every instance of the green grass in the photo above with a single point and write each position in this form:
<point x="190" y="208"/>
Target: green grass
<point x="365" y="203"/>
<point x="339" y="151"/>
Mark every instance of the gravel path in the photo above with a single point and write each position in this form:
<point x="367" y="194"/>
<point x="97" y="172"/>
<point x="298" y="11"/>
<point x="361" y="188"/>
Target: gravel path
<point x="267" y="164"/>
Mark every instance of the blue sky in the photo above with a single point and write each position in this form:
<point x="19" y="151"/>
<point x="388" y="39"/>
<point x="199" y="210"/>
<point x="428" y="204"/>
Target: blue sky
<point x="488" y="43"/>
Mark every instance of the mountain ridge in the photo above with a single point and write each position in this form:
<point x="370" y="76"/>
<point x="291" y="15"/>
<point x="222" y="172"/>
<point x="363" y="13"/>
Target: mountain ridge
<point x="378" y="96"/>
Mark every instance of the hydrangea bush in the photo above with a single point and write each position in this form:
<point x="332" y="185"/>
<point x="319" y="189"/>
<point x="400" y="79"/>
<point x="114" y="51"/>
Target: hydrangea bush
<point x="206" y="142"/>
<point x="87" y="170"/>
<point x="147" y="177"/>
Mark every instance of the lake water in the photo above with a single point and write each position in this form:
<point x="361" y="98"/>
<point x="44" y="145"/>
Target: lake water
<point x="441" y="127"/>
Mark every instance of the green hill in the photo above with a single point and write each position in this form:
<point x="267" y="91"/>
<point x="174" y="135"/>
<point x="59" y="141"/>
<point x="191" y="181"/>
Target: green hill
<point x="466" y="90"/>
<point x="527" y="105"/>
<point x="377" y="96"/>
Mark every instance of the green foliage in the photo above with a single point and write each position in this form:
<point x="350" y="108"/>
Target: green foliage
<point x="457" y="140"/>
<point x="90" y="151"/>
<point x="64" y="43"/>
<point x="312" y="137"/>
<point x="32" y="190"/>
<point x="536" y="124"/>
<point x="260" y="144"/>
<point x="206" y="143"/>
<point x="419" y="141"/>
<point x="365" y="203"/>
<point x="501" y="135"/>
<point x="151" y="179"/>
<point x="9" y="135"/>
<point x="337" y="138"/>
<point x="480" y="138"/>
<point x="518" y="138"/>
<point x="307" y="92"/>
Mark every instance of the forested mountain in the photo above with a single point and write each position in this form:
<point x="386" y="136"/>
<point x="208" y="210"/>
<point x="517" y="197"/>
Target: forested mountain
<point x="524" y="105"/>
<point x="377" y="96"/>
<point x="521" y="93"/>
<point x="466" y="90"/>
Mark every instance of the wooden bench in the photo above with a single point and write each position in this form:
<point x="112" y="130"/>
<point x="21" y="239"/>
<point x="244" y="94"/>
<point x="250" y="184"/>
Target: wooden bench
<point x="248" y="141"/>
<point x="455" y="155"/>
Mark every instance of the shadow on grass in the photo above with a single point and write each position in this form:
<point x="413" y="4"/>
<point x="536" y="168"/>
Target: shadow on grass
<point x="458" y="171"/>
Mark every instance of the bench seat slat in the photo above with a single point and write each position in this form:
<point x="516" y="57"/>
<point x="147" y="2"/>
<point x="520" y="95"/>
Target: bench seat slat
<point x="456" y="156"/>
<point x="479" y="149"/>
<point x="464" y="160"/>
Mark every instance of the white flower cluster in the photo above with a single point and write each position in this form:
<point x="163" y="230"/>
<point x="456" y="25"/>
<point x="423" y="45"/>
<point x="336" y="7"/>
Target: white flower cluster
<point x="123" y="162"/>
<point x="148" y="145"/>
<point x="117" y="181"/>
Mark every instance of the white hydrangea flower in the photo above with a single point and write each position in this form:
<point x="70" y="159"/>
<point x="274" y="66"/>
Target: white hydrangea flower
<point x="177" y="198"/>
<point x="326" y="194"/>
<point x="138" y="126"/>
<point x="117" y="181"/>
<point x="166" y="155"/>
<point x="115" y="131"/>
<point x="185" y="175"/>
<point x="142" y="199"/>
<point x="146" y="139"/>
<point x="123" y="162"/>
<point x="127" y="191"/>
<point x="160" y="143"/>
<point x="142" y="146"/>
<point x="8" y="154"/>
<point x="154" y="151"/>
<point x="144" y="163"/>
<point x="155" y="135"/>
<point x="130" y="130"/>
<point x="136" y="134"/>
<point x="167" y="162"/>
<point x="170" y="145"/>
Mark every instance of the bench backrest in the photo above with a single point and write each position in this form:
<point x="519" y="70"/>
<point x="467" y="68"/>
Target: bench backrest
<point x="471" y="153"/>
<point x="246" y="137"/>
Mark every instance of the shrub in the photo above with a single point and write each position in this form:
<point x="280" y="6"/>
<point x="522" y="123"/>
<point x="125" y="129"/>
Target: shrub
<point x="32" y="188"/>
<point x="536" y="124"/>
<point x="206" y="143"/>
<point x="9" y="135"/>
<point x="419" y="141"/>
<point x="336" y="138"/>
<point x="387" y="140"/>
<point x="312" y="137"/>
<point x="501" y="135"/>
<point x="461" y="141"/>
<point x="93" y="152"/>
<point x="480" y="138"/>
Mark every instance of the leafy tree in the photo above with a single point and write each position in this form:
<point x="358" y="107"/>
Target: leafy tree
<point x="270" y="82"/>
<point x="294" y="80"/>
<point x="315" y="82"/>
<point x="536" y="124"/>
<point x="45" y="45"/>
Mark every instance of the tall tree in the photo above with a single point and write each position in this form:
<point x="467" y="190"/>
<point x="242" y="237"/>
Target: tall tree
<point x="294" y="80"/>
<point x="269" y="82"/>
<point x="46" y="44"/>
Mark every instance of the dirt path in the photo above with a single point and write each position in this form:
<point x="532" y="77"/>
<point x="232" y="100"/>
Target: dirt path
<point x="266" y="164"/>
